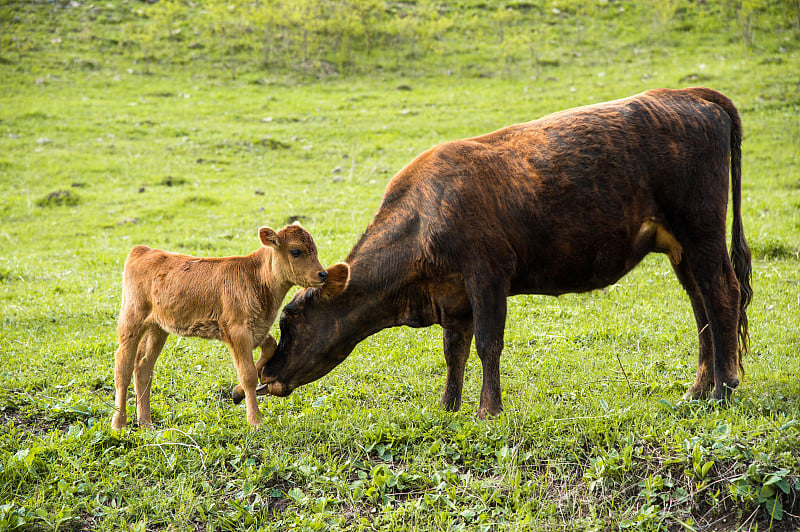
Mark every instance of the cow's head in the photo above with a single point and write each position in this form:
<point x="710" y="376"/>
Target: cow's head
<point x="295" y="255"/>
<point x="316" y="335"/>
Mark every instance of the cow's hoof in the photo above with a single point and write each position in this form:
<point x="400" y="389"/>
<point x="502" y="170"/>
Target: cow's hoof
<point x="723" y="393"/>
<point x="699" y="391"/>
<point x="487" y="414"/>
<point x="693" y="394"/>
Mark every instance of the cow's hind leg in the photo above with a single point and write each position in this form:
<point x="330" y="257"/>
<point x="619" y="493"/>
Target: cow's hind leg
<point x="712" y="270"/>
<point x="704" y="381"/>
<point x="149" y="348"/>
<point x="456" y="352"/>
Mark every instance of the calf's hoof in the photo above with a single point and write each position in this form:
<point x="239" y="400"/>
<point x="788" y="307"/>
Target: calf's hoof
<point x="118" y="422"/>
<point x="237" y="394"/>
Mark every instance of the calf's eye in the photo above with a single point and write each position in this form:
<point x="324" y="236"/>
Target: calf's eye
<point x="295" y="253"/>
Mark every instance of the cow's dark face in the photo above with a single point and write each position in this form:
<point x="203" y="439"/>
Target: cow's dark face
<point x="313" y="338"/>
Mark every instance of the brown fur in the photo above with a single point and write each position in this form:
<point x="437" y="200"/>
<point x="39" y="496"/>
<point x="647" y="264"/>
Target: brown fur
<point x="232" y="299"/>
<point x="567" y="203"/>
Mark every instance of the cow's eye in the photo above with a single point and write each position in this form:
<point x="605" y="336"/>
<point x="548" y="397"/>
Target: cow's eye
<point x="295" y="253"/>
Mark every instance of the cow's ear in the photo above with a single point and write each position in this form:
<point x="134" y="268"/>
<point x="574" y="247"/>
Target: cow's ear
<point x="268" y="237"/>
<point x="336" y="283"/>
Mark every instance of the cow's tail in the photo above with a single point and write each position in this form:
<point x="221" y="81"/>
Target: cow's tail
<point x="740" y="252"/>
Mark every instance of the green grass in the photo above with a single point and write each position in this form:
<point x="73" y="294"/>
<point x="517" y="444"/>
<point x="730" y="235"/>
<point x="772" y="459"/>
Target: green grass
<point x="113" y="133"/>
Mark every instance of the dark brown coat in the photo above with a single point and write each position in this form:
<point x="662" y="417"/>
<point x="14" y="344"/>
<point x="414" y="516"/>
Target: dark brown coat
<point x="567" y="203"/>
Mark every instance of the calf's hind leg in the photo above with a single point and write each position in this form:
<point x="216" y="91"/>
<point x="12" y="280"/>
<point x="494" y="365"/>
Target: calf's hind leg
<point x="653" y="236"/>
<point x="129" y="334"/>
<point x="149" y="348"/>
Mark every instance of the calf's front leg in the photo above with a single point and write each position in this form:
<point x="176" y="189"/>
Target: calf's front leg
<point x="124" y="361"/>
<point x="268" y="349"/>
<point x="129" y="334"/>
<point x="267" y="352"/>
<point x="241" y="347"/>
<point x="149" y="348"/>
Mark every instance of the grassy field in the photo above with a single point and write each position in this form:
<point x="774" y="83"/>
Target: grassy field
<point x="125" y="123"/>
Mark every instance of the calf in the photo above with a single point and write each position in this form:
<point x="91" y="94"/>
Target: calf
<point x="232" y="299"/>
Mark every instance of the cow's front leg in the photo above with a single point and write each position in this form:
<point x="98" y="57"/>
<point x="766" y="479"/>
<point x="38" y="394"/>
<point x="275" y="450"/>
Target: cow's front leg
<point x="488" y="299"/>
<point x="456" y="352"/>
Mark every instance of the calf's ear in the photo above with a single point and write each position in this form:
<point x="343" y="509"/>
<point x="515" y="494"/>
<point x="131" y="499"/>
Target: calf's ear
<point x="336" y="283"/>
<point x="268" y="237"/>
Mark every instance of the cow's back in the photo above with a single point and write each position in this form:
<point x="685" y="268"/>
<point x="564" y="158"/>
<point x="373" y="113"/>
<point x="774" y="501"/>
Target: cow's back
<point x="573" y="188"/>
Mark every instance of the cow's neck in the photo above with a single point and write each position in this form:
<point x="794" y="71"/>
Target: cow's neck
<point x="384" y="278"/>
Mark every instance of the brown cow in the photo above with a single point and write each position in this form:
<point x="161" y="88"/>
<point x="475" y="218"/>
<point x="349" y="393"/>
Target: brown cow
<point x="232" y="299"/>
<point x="567" y="203"/>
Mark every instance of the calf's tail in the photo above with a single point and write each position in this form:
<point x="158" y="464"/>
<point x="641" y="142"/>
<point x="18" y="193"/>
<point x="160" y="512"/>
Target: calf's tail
<point x="740" y="252"/>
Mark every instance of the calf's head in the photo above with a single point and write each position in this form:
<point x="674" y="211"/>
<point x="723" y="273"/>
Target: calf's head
<point x="295" y="255"/>
<point x="316" y="335"/>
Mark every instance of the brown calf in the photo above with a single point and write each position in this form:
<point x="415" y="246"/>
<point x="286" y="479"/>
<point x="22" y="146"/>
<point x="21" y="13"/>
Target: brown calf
<point x="232" y="299"/>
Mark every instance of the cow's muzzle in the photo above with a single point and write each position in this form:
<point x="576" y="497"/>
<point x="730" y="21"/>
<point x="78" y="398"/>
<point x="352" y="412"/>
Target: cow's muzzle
<point x="276" y="388"/>
<point x="269" y="384"/>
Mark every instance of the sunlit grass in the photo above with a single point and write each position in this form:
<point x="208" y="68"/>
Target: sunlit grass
<point x="194" y="157"/>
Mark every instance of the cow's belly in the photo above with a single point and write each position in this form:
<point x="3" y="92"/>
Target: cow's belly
<point x="557" y="283"/>
<point x="582" y="265"/>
